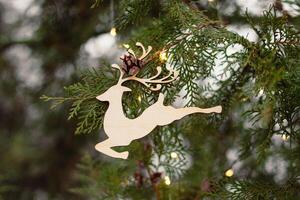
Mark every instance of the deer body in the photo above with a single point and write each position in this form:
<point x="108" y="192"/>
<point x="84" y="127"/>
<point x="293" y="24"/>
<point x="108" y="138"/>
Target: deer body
<point x="121" y="131"/>
<point x="155" y="115"/>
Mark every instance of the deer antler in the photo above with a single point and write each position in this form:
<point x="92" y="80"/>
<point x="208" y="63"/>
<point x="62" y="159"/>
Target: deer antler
<point x="148" y="82"/>
<point x="145" y="53"/>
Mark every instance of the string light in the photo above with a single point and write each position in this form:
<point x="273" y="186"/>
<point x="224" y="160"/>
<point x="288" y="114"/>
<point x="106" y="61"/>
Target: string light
<point x="211" y="1"/>
<point x="285" y="137"/>
<point x="163" y="56"/>
<point x="113" y="31"/>
<point x="244" y="99"/>
<point x="174" y="155"/>
<point x="167" y="180"/>
<point x="126" y="46"/>
<point x="139" y="98"/>
<point x="229" y="173"/>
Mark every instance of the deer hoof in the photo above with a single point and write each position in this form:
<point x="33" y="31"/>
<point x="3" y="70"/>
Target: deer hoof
<point x="218" y="109"/>
<point x="124" y="155"/>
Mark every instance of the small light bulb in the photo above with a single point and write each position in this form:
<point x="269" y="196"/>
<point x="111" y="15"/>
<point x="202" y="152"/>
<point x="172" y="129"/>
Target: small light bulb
<point x="126" y="46"/>
<point x="285" y="137"/>
<point x="167" y="180"/>
<point x="113" y="31"/>
<point x="244" y="99"/>
<point x="229" y="173"/>
<point x="163" y="56"/>
<point x="174" y="155"/>
<point x="211" y="1"/>
<point x="139" y="98"/>
<point x="261" y="92"/>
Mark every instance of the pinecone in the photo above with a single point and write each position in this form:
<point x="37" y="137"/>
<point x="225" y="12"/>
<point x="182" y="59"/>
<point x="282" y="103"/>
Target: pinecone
<point x="131" y="65"/>
<point x="155" y="177"/>
<point x="139" y="178"/>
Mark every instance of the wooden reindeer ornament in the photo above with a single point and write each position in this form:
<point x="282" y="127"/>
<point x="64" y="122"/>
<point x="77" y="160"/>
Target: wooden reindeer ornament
<point x="121" y="131"/>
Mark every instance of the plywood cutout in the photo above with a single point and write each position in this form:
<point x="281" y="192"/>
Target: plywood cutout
<point x="121" y="131"/>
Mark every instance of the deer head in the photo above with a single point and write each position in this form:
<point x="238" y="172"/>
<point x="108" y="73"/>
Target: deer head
<point x="153" y="83"/>
<point x="113" y="92"/>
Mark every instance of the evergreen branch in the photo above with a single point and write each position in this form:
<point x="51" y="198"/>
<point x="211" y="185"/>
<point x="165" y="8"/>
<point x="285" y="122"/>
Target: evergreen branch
<point x="85" y="107"/>
<point x="96" y="3"/>
<point x="237" y="190"/>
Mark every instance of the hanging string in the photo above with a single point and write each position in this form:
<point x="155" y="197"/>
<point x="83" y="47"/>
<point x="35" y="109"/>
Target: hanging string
<point x="113" y="30"/>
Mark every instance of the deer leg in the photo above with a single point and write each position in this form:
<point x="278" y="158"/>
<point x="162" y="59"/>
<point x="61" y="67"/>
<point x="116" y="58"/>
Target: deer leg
<point x="216" y="109"/>
<point x="105" y="147"/>
<point x="181" y="112"/>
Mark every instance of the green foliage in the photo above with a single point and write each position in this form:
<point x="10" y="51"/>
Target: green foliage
<point x="96" y="3"/>
<point x="89" y="172"/>
<point x="236" y="190"/>
<point x="134" y="12"/>
<point x="167" y="141"/>
<point x="278" y="51"/>
<point x="83" y="95"/>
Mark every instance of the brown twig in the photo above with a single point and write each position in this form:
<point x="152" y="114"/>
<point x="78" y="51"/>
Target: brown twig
<point x="154" y="186"/>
